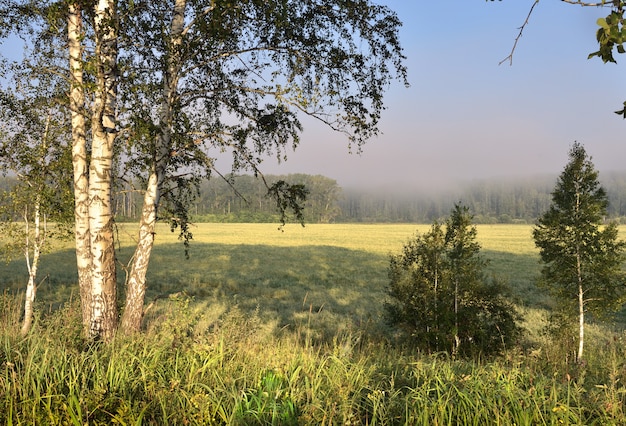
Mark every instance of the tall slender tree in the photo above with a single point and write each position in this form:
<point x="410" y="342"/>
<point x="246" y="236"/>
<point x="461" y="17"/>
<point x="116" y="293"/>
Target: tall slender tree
<point x="33" y="146"/>
<point x="103" y="295"/>
<point x="581" y="257"/>
<point x="80" y="164"/>
<point x="77" y="41"/>
<point x="465" y="264"/>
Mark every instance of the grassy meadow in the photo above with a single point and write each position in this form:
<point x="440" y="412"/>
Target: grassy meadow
<point x="260" y="326"/>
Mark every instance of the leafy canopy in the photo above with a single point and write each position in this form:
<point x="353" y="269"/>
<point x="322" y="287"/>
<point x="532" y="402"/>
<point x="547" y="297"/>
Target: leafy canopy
<point x="245" y="74"/>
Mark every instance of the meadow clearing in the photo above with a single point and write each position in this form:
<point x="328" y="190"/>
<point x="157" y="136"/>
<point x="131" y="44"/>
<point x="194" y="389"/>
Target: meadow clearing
<point x="260" y="326"/>
<point x="337" y="271"/>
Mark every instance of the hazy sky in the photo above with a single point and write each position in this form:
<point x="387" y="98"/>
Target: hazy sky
<point x="467" y="117"/>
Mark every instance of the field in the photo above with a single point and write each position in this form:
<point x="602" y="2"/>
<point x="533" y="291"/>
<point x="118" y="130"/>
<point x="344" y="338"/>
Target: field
<point x="260" y="326"/>
<point x="338" y="272"/>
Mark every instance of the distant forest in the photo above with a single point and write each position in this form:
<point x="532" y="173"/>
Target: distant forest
<point x="244" y="199"/>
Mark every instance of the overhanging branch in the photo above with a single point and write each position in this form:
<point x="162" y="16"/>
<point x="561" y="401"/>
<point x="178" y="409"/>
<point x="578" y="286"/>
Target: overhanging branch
<point x="584" y="3"/>
<point x="519" y="35"/>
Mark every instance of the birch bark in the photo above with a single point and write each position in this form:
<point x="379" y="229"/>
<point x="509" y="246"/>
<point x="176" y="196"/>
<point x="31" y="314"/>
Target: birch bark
<point x="103" y="320"/>
<point x="38" y="241"/>
<point x="79" y="163"/>
<point x="136" y="284"/>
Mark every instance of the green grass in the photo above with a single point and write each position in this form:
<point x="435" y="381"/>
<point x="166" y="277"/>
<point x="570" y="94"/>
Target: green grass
<point x="267" y="327"/>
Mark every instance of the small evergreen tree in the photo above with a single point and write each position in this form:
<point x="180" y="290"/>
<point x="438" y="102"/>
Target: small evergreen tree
<point x="440" y="296"/>
<point x="581" y="259"/>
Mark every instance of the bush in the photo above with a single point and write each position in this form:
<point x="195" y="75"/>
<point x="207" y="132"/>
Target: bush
<point x="440" y="297"/>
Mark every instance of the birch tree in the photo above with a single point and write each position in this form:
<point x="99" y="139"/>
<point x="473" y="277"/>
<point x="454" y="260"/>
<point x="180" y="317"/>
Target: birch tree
<point x="219" y="77"/>
<point x="440" y="296"/>
<point x="80" y="165"/>
<point x="103" y="303"/>
<point x="77" y="42"/>
<point x="581" y="258"/>
<point x="33" y="147"/>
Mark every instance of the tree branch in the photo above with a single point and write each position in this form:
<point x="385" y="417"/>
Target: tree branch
<point x="577" y="2"/>
<point x="519" y="35"/>
<point x="584" y="3"/>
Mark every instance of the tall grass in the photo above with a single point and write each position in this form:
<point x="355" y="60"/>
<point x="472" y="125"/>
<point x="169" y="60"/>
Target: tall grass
<point x="263" y="327"/>
<point x="185" y="371"/>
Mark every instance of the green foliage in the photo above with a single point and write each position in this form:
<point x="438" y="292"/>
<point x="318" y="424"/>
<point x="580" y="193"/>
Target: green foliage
<point x="200" y="355"/>
<point x="268" y="403"/>
<point x="440" y="296"/>
<point x="611" y="36"/>
<point x="581" y="258"/>
<point x="244" y="75"/>
<point x="288" y="197"/>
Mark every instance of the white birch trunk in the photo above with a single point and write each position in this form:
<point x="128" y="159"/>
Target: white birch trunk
<point x="136" y="284"/>
<point x="103" y="319"/>
<point x="581" y="307"/>
<point x="38" y="241"/>
<point x="79" y="163"/>
<point x="581" y="322"/>
<point x="581" y="293"/>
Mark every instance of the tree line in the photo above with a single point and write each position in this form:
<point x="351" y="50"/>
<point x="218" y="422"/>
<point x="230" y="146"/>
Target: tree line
<point x="244" y="198"/>
<point x="520" y="200"/>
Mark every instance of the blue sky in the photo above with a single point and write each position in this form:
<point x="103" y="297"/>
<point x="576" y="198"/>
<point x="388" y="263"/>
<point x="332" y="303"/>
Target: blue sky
<point x="466" y="117"/>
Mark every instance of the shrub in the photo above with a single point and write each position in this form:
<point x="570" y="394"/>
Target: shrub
<point x="440" y="296"/>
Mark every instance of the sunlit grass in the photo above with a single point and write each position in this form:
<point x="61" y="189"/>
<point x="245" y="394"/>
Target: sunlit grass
<point x="337" y="271"/>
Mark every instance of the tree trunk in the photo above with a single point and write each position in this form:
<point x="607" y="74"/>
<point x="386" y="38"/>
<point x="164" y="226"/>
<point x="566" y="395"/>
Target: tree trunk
<point x="581" y="294"/>
<point x="31" y="287"/>
<point x="136" y="285"/>
<point x="457" y="339"/>
<point x="581" y="307"/>
<point x="581" y="323"/>
<point x="103" y="320"/>
<point x="79" y="164"/>
<point x="436" y="295"/>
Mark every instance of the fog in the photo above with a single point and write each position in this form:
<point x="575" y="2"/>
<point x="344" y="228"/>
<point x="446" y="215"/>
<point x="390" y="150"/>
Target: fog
<point x="465" y="117"/>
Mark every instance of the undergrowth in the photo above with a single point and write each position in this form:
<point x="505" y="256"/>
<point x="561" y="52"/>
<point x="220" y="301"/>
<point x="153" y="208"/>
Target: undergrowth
<point x="194" y="367"/>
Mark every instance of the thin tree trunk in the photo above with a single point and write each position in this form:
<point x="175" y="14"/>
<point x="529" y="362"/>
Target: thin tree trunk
<point x="581" y="323"/>
<point x="136" y="285"/>
<point x="38" y="240"/>
<point x="436" y="305"/>
<point x="79" y="164"/>
<point x="581" y="309"/>
<point x="457" y="340"/>
<point x="103" y="280"/>
<point x="581" y="294"/>
<point x="31" y="287"/>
